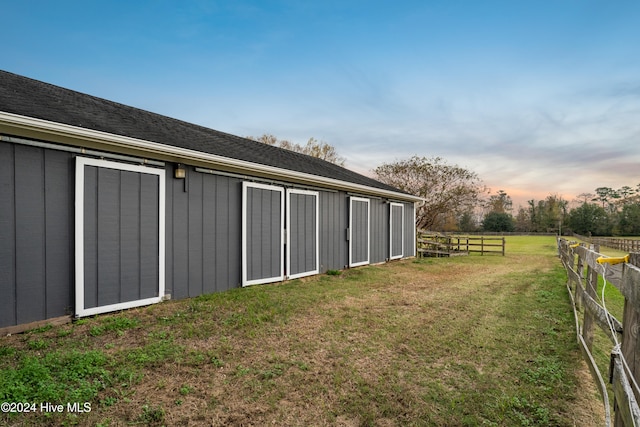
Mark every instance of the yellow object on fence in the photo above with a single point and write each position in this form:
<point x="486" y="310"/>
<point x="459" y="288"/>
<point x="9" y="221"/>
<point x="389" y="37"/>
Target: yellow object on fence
<point x="613" y="260"/>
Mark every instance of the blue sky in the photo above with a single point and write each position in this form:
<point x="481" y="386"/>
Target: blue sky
<point x="537" y="97"/>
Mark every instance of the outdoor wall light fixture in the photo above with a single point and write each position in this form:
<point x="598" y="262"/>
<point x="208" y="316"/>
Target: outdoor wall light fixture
<point x="180" y="172"/>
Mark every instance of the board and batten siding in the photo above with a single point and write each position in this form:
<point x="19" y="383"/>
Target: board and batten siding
<point x="409" y="242"/>
<point x="203" y="232"/>
<point x="203" y="225"/>
<point x="36" y="234"/>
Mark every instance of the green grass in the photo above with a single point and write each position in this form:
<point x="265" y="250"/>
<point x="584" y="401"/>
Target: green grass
<point x="117" y="324"/>
<point x="477" y="340"/>
<point x="55" y="377"/>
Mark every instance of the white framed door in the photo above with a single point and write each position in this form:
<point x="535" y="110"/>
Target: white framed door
<point x="359" y="231"/>
<point x="119" y="236"/>
<point x="302" y="233"/>
<point x="262" y="233"/>
<point x="396" y="230"/>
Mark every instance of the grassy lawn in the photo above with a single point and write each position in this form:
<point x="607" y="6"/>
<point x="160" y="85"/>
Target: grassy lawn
<point x="477" y="340"/>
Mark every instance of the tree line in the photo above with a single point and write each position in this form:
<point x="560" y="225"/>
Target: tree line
<point x="455" y="199"/>
<point x="607" y="212"/>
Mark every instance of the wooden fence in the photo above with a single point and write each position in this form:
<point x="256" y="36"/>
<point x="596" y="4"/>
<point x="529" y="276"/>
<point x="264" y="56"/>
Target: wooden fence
<point x="436" y="244"/>
<point x="584" y="268"/>
<point x="626" y="245"/>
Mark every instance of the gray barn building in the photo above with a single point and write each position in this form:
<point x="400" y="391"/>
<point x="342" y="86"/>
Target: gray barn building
<point x="106" y="207"/>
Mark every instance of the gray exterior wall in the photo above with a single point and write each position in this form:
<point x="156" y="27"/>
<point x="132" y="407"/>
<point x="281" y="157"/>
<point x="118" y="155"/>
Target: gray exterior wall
<point x="203" y="229"/>
<point x="36" y="234"/>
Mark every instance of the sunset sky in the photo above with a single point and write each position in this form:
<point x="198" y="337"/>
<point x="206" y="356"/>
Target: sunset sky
<point x="537" y="97"/>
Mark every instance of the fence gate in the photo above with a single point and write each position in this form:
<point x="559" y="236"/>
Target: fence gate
<point x="119" y="232"/>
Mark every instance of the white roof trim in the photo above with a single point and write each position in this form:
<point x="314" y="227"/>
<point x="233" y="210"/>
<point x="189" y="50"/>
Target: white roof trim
<point x="64" y="130"/>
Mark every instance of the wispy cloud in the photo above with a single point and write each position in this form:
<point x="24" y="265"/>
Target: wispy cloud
<point x="540" y="98"/>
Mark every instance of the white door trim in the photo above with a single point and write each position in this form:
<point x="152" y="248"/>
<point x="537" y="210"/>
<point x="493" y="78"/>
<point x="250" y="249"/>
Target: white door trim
<point x="368" y="202"/>
<point x="245" y="281"/>
<point x="317" y="232"/>
<point x="81" y="162"/>
<point x="391" y="236"/>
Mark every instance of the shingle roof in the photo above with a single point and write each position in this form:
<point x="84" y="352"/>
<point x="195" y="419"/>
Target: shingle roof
<point x="33" y="98"/>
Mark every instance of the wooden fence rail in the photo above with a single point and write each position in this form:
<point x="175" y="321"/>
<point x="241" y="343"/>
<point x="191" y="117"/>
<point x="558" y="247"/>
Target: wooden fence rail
<point x="626" y="245"/>
<point x="436" y="244"/>
<point x="584" y="266"/>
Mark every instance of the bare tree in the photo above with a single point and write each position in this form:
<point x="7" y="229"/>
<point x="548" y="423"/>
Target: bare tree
<point x="446" y="189"/>
<point x="267" y="139"/>
<point x="322" y="150"/>
<point x="313" y="147"/>
<point x="585" y="197"/>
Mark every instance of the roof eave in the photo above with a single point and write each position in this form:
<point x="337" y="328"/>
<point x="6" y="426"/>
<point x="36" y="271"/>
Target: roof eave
<point x="79" y="136"/>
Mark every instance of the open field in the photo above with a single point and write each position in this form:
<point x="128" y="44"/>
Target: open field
<point x="477" y="340"/>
